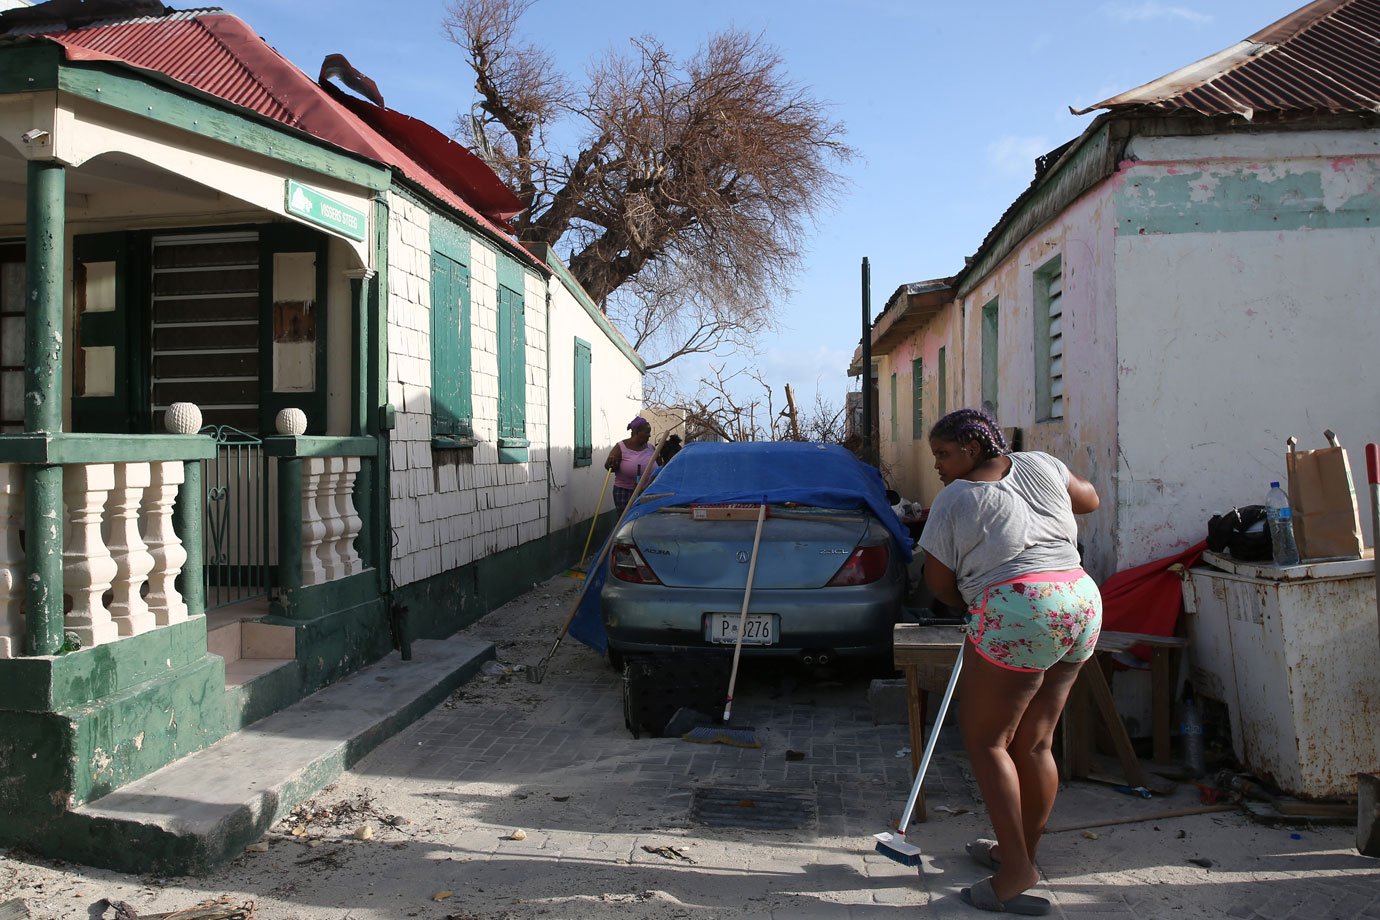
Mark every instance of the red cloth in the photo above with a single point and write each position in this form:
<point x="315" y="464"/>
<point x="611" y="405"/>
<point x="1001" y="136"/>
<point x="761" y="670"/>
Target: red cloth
<point x="1149" y="598"/>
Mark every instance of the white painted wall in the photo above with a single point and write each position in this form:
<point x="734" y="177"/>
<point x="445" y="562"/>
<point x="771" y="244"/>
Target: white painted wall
<point x="448" y="512"/>
<point x="1083" y="236"/>
<point x="1230" y="344"/>
<point x="615" y="396"/>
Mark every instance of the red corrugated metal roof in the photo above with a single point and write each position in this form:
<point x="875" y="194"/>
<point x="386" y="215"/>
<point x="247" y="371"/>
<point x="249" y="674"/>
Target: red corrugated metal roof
<point x="1324" y="58"/>
<point x="217" y="53"/>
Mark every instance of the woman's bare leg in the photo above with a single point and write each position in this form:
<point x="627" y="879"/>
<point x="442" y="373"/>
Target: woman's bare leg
<point x="1032" y="751"/>
<point x="993" y="704"/>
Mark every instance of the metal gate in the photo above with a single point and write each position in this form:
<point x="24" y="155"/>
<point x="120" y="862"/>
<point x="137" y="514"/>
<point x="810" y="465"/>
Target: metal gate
<point x="235" y="529"/>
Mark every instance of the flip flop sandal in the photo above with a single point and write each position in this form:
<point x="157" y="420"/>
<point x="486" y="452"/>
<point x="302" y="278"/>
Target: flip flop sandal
<point x="983" y="897"/>
<point x="981" y="853"/>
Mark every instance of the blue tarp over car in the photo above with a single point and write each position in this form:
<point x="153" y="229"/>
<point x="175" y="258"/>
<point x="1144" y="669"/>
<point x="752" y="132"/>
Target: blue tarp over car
<point x="818" y="475"/>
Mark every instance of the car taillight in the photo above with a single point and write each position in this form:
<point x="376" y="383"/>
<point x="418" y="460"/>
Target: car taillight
<point x="627" y="564"/>
<point x="865" y="566"/>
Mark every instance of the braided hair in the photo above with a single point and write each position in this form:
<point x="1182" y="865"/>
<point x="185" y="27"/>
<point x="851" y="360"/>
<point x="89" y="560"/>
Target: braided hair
<point x="964" y="425"/>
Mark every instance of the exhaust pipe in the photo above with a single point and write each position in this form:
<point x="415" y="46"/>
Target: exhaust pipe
<point x="823" y="659"/>
<point x="808" y="659"/>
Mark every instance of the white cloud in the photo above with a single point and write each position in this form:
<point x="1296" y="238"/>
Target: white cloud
<point x="1147" y="10"/>
<point x="1014" y="154"/>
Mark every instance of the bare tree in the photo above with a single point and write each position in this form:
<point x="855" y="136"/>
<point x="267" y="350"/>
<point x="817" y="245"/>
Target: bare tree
<point x="682" y="205"/>
<point x="739" y="406"/>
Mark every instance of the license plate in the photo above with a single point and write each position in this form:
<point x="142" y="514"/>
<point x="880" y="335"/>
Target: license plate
<point x="758" y="629"/>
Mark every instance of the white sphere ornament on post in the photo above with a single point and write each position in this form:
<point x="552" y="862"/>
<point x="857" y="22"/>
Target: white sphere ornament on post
<point x="291" y="422"/>
<point x="182" y="418"/>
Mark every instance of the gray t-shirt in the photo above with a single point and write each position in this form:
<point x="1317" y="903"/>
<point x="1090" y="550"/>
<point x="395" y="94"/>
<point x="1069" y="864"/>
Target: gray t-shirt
<point x="989" y="532"/>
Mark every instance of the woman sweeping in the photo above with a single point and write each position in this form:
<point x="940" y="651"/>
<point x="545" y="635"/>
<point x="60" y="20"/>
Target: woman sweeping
<point x="627" y="460"/>
<point x="1001" y="540"/>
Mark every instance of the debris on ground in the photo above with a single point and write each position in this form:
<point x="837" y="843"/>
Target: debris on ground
<point x="220" y="908"/>
<point x="518" y="834"/>
<point x="14" y="909"/>
<point x="313" y="815"/>
<point x="671" y="853"/>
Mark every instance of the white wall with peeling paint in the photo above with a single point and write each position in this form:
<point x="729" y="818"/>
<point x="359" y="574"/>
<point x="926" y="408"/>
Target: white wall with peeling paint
<point x="1229" y="344"/>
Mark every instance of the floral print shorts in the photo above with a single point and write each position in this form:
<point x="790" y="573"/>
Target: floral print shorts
<point x="1034" y="621"/>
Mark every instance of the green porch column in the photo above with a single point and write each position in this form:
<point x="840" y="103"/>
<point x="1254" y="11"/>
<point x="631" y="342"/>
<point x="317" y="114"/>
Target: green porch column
<point x="46" y="233"/>
<point x="289" y="536"/>
<point x="191" y="582"/>
<point x="362" y="407"/>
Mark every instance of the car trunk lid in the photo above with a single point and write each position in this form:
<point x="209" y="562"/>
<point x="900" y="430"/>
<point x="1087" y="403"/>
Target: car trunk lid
<point x="795" y="552"/>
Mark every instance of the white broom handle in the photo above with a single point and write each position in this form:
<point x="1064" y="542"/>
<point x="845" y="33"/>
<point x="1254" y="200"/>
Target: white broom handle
<point x="742" y="617"/>
<point x="930" y="743"/>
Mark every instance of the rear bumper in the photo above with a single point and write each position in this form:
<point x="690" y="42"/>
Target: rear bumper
<point x="838" y="622"/>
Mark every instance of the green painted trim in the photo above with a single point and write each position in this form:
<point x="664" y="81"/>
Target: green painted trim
<point x="211" y="117"/>
<point x="1092" y="158"/>
<point x="444" y="442"/>
<point x="30" y="67"/>
<point x="315" y="601"/>
<point x="481" y="233"/>
<point x="1237" y="201"/>
<point x="512" y="454"/>
<point x="286" y="445"/>
<point x="61" y="448"/>
<point x="511" y="274"/>
<point x="52" y="683"/>
<point x="548" y="255"/>
<point x="316" y="207"/>
<point x="381" y="530"/>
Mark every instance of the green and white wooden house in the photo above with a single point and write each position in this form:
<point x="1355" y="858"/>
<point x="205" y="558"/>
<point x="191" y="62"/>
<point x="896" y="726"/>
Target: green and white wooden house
<point x="278" y="392"/>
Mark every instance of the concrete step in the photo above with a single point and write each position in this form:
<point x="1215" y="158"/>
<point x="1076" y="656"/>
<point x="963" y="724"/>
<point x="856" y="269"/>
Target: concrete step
<point x="205" y="808"/>
<point x="235" y="633"/>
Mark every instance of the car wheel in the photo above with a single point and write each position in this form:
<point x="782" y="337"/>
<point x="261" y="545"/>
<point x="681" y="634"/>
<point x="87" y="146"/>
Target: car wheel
<point x="615" y="658"/>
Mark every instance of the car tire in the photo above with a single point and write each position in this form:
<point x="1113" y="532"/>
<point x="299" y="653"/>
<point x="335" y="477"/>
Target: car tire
<point x="615" y="658"/>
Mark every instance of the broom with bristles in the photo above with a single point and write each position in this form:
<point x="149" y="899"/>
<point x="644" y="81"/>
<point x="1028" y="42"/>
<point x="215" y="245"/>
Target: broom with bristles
<point x="723" y="734"/>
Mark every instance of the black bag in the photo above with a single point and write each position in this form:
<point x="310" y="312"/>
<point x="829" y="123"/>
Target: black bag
<point x="1243" y="532"/>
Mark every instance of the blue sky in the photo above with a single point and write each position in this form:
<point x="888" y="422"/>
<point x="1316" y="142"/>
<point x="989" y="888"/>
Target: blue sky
<point x="947" y="103"/>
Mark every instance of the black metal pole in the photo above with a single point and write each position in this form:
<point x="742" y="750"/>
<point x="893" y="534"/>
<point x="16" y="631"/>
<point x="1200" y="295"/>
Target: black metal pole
<point x="868" y="449"/>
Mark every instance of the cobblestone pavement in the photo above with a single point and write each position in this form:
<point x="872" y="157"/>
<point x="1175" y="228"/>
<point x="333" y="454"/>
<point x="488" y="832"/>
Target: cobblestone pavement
<point x="515" y="800"/>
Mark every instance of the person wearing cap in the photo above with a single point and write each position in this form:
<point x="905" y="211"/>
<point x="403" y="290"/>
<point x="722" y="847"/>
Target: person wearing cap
<point x="628" y="459"/>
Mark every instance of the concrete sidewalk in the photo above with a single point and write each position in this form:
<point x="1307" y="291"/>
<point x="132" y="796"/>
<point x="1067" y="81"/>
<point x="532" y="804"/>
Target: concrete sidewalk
<point x="514" y="800"/>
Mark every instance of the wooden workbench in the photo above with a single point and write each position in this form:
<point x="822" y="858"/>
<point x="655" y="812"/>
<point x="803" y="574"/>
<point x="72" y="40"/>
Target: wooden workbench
<point x="925" y="656"/>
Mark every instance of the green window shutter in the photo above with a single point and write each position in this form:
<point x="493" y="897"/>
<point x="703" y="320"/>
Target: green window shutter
<point x="584" y="435"/>
<point x="943" y="392"/>
<point x="917" y="399"/>
<point x="512" y="377"/>
<point x="989" y="357"/>
<point x="894" y="425"/>
<point x="107" y="363"/>
<point x="450" y="348"/>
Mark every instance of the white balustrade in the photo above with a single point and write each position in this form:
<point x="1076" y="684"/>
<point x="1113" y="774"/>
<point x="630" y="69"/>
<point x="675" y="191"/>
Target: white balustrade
<point x="11" y="560"/>
<point x="87" y="567"/>
<point x="133" y="562"/>
<point x="350" y="515"/>
<point x="313" y="528"/>
<point x="328" y="506"/>
<point x="164" y="545"/>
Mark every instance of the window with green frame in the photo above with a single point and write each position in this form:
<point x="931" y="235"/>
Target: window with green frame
<point x="942" y="393"/>
<point x="584" y="436"/>
<point x="512" y="376"/>
<point x="917" y="399"/>
<point x="1048" y="283"/>
<point x="989" y="356"/>
<point x="451" y="412"/>
<point x="894" y="435"/>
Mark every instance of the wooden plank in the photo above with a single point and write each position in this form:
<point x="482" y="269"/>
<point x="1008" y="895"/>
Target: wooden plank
<point x="1096" y="684"/>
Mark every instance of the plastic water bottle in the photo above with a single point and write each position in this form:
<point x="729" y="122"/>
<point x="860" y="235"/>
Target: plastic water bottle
<point x="1191" y="729"/>
<point x="1281" y="518"/>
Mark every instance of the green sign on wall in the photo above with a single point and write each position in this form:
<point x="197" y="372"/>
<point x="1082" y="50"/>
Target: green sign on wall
<point x="324" y="211"/>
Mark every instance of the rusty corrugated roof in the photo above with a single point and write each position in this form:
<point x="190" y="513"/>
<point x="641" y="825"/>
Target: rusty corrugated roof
<point x="216" y="53"/>
<point x="1323" y="58"/>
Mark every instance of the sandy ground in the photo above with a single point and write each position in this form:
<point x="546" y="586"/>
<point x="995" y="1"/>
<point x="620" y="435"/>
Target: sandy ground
<point x="434" y="825"/>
